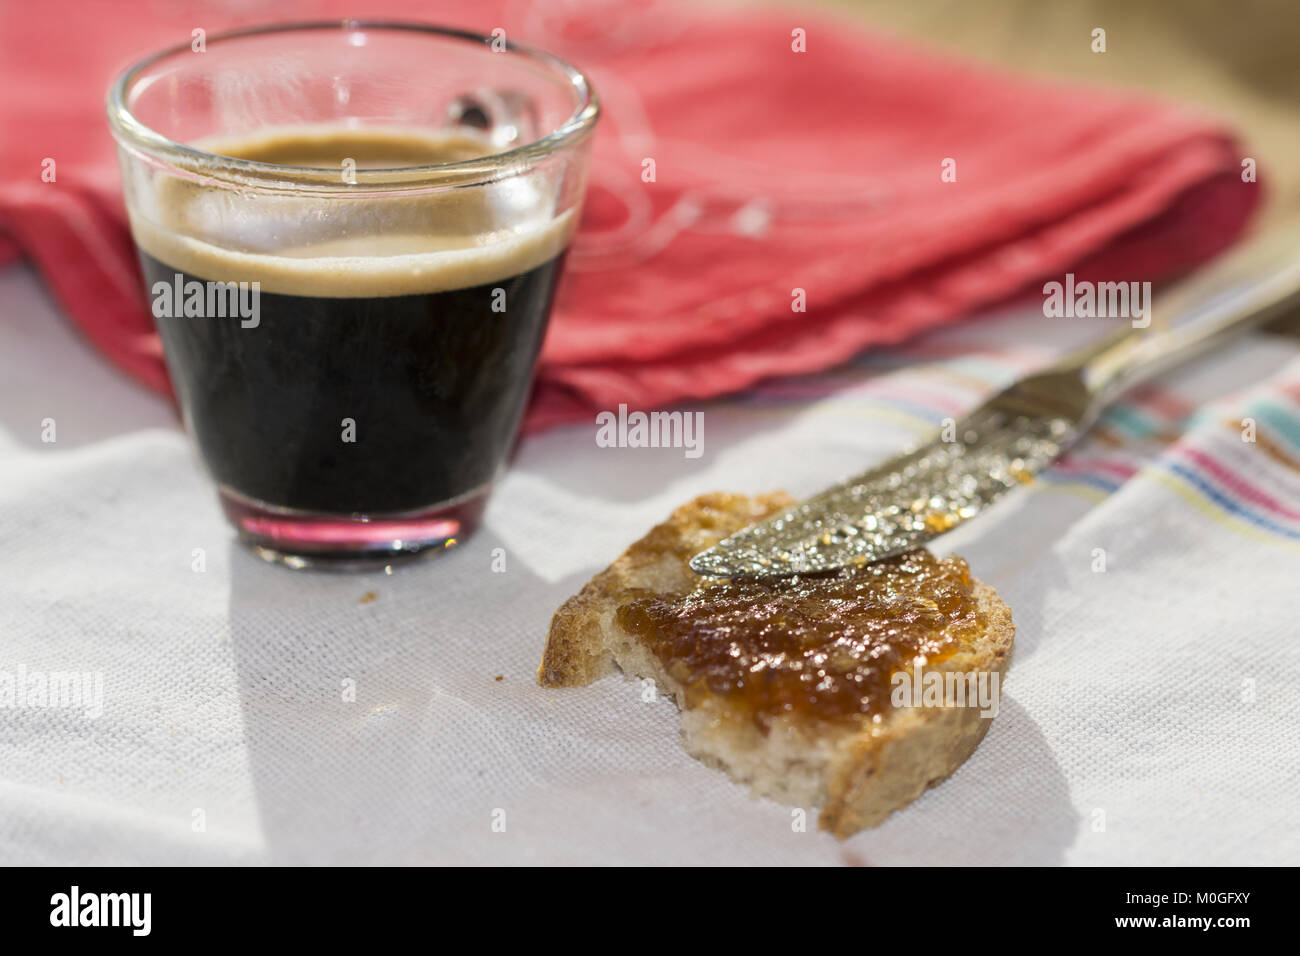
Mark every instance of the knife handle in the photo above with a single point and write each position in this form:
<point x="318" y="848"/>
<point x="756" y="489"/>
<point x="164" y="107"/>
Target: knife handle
<point x="1235" y="294"/>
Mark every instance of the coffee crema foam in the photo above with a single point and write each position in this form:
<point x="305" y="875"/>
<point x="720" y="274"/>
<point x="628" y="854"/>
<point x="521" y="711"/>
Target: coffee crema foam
<point x="340" y="246"/>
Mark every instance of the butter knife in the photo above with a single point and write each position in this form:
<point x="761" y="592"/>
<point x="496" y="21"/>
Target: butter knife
<point x="913" y="498"/>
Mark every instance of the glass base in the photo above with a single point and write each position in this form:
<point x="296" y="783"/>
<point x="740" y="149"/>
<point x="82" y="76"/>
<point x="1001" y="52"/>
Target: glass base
<point x="300" y="539"/>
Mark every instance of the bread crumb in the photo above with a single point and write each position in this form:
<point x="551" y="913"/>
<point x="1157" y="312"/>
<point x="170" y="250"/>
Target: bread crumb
<point x="368" y="598"/>
<point x="500" y="677"/>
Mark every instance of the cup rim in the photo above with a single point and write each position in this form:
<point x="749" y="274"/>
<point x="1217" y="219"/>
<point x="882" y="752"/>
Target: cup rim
<point x="130" y="131"/>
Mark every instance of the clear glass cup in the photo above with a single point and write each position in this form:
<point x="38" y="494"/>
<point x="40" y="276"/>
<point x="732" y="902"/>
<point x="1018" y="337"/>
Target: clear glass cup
<point x="351" y="234"/>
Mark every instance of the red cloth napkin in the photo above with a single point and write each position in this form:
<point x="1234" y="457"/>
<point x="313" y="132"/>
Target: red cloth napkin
<point x="775" y="171"/>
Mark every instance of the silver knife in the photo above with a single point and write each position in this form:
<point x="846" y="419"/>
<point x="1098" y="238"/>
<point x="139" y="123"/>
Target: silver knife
<point x="913" y="498"/>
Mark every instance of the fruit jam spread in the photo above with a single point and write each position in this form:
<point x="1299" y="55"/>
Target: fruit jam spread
<point x="820" y="647"/>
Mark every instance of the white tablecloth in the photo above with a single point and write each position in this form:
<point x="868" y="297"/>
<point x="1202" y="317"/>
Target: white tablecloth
<point x="1150" y="715"/>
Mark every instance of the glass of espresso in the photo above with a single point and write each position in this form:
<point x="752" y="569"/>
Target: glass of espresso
<point x="351" y="235"/>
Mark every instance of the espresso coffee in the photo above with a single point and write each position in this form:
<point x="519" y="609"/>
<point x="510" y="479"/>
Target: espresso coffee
<point x="377" y="366"/>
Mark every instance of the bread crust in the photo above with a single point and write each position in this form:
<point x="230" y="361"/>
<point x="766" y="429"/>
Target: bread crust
<point x="857" y="773"/>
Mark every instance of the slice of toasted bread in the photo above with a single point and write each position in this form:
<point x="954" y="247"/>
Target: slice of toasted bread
<point x="857" y="771"/>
